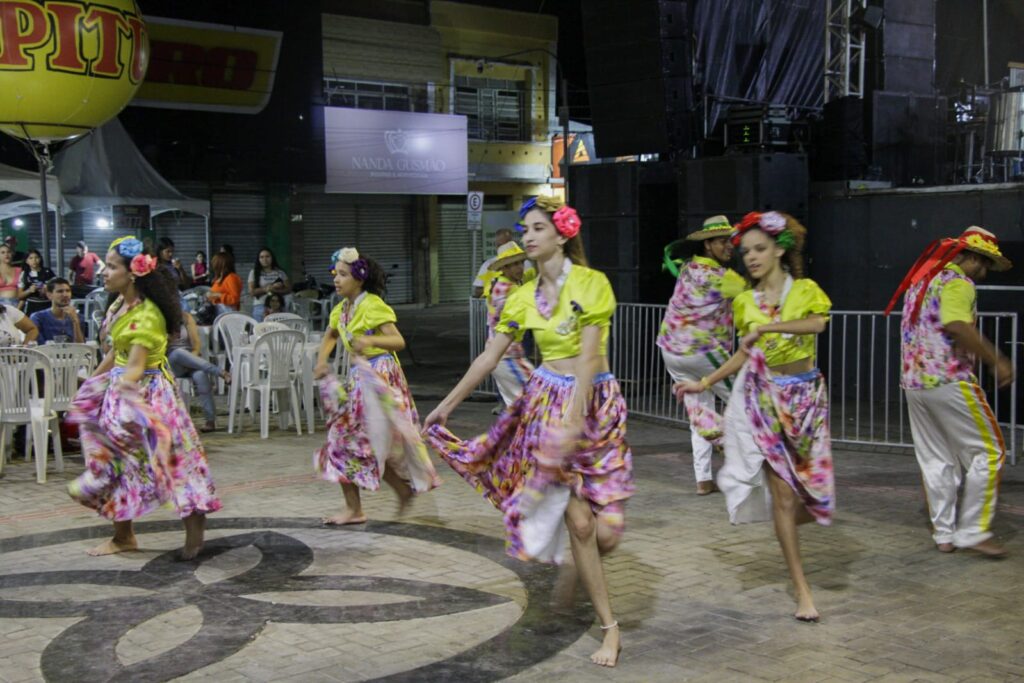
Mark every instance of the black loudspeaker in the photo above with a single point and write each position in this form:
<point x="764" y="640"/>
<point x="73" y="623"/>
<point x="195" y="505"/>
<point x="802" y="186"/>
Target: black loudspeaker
<point x="629" y="215"/>
<point x="908" y="46"/>
<point x="841" y="149"/>
<point x="639" y="74"/>
<point x="734" y="185"/>
<point x="908" y="137"/>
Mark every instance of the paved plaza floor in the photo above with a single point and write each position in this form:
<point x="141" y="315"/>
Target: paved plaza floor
<point x="275" y="596"/>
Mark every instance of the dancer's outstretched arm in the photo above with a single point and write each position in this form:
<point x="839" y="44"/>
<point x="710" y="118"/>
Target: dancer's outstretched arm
<point x="483" y="365"/>
<point x="105" y="365"/>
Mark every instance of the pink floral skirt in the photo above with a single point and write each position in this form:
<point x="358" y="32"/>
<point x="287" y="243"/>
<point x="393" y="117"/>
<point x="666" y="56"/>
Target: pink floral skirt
<point x="372" y="424"/>
<point x="782" y="420"/>
<point x="141" y="449"/>
<point x="514" y="467"/>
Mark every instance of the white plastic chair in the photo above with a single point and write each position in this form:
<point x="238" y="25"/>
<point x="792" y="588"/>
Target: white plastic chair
<point x="273" y="369"/>
<point x="96" y="300"/>
<point x="260" y="329"/>
<point x="22" y="403"/>
<point x="69" y="364"/>
<point x="292" y="321"/>
<point x="93" y="325"/>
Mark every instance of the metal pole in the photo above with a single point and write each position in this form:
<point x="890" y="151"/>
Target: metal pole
<point x="565" y="135"/>
<point x="43" y="159"/>
<point x="59" y="243"/>
<point x="984" y="35"/>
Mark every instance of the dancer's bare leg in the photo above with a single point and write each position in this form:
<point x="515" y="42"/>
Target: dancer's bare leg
<point x="353" y="513"/>
<point x="195" y="529"/>
<point x="123" y="540"/>
<point x="565" y="586"/>
<point x="582" y="524"/>
<point x="785" y="509"/>
<point x="401" y="487"/>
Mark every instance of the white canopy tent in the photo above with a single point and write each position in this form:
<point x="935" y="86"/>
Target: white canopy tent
<point x="98" y="171"/>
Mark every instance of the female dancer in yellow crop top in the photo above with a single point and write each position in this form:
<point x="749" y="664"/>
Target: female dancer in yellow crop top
<point x="776" y="429"/>
<point x="556" y="462"/>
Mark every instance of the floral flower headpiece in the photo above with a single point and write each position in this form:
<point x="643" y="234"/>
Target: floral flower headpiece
<point x="358" y="266"/>
<point x="565" y="218"/>
<point x="132" y="250"/>
<point x="771" y="222"/>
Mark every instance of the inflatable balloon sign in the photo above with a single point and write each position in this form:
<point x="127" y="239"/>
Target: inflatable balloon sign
<point x="67" y="67"/>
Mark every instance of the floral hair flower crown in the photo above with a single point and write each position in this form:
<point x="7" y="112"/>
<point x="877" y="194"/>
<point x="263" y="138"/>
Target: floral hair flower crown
<point x="770" y="222"/>
<point x="358" y="266"/>
<point x="565" y="218"/>
<point x="132" y="250"/>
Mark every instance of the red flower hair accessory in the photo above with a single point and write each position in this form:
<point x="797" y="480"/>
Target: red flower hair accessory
<point x="142" y="265"/>
<point x="771" y="222"/>
<point x="567" y="221"/>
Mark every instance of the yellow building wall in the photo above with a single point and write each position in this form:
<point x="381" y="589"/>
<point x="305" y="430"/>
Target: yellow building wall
<point x="469" y="32"/>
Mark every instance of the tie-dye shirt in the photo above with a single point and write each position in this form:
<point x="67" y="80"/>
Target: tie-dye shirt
<point x="930" y="358"/>
<point x="698" y="318"/>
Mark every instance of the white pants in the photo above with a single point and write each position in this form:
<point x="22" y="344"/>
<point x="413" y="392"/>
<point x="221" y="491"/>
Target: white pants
<point x="511" y="375"/>
<point x="955" y="432"/>
<point x="693" y="368"/>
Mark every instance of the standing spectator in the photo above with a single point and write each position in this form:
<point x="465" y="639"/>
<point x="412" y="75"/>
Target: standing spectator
<point x="10" y="275"/>
<point x="226" y="289"/>
<point x="486" y="274"/>
<point x="58" y="323"/>
<point x="266" y="277"/>
<point x="165" y="254"/>
<point x="17" y="257"/>
<point x="15" y="328"/>
<point x="34" y="277"/>
<point x="85" y="266"/>
<point x="200" y="271"/>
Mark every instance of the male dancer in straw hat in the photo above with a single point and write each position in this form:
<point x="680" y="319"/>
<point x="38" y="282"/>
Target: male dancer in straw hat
<point x="696" y="334"/>
<point x="513" y="370"/>
<point x="955" y="432"/>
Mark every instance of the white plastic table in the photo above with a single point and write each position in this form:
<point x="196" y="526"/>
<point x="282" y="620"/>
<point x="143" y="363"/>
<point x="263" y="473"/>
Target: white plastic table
<point x="305" y="360"/>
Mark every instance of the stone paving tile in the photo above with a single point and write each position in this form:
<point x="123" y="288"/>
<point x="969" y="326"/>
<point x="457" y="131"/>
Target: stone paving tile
<point x="698" y="599"/>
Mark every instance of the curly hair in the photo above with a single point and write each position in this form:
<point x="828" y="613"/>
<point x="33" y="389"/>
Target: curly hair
<point x="377" y="280"/>
<point x="794" y="256"/>
<point x="160" y="288"/>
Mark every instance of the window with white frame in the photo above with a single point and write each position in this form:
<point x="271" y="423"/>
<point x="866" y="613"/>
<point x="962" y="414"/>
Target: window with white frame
<point x="369" y="95"/>
<point x="495" y="109"/>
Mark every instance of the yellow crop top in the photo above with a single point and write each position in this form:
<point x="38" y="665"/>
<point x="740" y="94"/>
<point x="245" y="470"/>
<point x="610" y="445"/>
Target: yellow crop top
<point x="143" y="324"/>
<point x="586" y="299"/>
<point x="805" y="298"/>
<point x="370" y="312"/>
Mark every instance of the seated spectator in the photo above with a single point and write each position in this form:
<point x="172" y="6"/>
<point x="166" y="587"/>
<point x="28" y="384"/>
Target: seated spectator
<point x="274" y="303"/>
<point x="15" y="328"/>
<point x="266" y="277"/>
<point x="34" y="277"/>
<point x="183" y="355"/>
<point x="226" y="288"/>
<point x="165" y="255"/>
<point x="59" y="323"/>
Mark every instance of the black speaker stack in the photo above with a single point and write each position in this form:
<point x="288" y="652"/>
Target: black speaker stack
<point x="629" y="214"/>
<point x="639" y="75"/>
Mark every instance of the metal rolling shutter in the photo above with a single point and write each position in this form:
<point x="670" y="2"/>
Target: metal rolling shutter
<point x="458" y="268"/>
<point x="379" y="226"/>
<point x="239" y="219"/>
<point x="455" y="252"/>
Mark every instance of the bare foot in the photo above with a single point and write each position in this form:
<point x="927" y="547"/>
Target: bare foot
<point x="608" y="653"/>
<point x="405" y="496"/>
<point x="347" y="517"/>
<point x="114" y="546"/>
<point x="805" y="610"/>
<point x="989" y="548"/>
<point x="945" y="547"/>
<point x="195" y="529"/>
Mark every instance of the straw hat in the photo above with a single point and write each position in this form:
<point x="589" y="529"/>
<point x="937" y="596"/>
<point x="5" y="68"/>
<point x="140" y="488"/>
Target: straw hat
<point x="981" y="241"/>
<point x="716" y="226"/>
<point x="508" y="253"/>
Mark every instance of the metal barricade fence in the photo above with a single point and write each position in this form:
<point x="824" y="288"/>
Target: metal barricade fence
<point x="478" y="340"/>
<point x="859" y="354"/>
